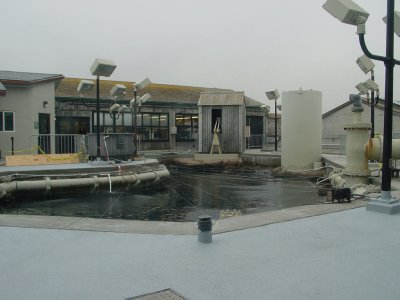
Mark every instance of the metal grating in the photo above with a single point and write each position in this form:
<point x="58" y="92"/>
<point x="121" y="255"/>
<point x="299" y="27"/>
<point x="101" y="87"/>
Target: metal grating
<point x="167" y="294"/>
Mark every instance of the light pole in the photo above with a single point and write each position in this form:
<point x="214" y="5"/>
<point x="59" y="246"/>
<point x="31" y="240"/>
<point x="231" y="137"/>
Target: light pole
<point x="274" y="95"/>
<point x="265" y="110"/>
<point x="100" y="67"/>
<point x="117" y="91"/>
<point x="350" y="13"/>
<point x="367" y="66"/>
<point x="133" y="104"/>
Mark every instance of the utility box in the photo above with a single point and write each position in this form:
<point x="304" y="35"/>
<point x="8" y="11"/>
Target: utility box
<point x="117" y="144"/>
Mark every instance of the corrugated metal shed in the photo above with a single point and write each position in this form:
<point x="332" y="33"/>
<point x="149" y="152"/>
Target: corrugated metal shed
<point x="221" y="98"/>
<point x="231" y="107"/>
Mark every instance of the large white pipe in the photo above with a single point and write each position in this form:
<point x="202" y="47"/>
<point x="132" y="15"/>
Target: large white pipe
<point x="47" y="184"/>
<point x="356" y="158"/>
<point x="374" y="149"/>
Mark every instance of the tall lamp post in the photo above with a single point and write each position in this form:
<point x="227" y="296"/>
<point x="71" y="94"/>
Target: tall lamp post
<point x="133" y="103"/>
<point x="274" y="95"/>
<point x="100" y="67"/>
<point x="350" y="13"/>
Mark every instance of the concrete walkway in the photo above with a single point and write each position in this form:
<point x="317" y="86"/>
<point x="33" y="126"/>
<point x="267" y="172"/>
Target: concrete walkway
<point x="327" y="251"/>
<point x="345" y="255"/>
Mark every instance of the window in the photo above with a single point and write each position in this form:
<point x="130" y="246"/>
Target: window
<point x="186" y="127"/>
<point x="153" y="126"/>
<point x="6" y="121"/>
<point x="150" y="126"/>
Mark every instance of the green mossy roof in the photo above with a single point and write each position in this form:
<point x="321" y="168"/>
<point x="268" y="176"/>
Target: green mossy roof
<point x="165" y="94"/>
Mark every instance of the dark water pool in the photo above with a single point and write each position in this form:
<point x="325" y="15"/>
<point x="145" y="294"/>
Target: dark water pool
<point x="186" y="194"/>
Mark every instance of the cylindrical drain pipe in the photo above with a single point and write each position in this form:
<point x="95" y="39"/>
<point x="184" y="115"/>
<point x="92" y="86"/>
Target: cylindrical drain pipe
<point x="374" y="149"/>
<point x="47" y="184"/>
<point x="204" y="229"/>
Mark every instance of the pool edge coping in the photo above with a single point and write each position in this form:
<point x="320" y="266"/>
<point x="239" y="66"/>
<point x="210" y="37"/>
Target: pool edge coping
<point x="234" y="223"/>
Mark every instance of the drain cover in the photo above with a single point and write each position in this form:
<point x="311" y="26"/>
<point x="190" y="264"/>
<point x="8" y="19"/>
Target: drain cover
<point x="167" y="294"/>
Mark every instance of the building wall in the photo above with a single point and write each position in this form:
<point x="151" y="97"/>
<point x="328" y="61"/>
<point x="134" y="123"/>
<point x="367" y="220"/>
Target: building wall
<point x="78" y="110"/>
<point x="26" y="103"/>
<point x="332" y="125"/>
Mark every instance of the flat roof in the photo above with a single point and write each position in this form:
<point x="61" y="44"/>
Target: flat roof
<point x="26" y="78"/>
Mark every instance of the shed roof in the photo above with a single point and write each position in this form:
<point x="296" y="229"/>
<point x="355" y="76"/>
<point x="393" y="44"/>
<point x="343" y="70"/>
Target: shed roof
<point x="26" y="78"/>
<point x="221" y="98"/>
<point x="159" y="92"/>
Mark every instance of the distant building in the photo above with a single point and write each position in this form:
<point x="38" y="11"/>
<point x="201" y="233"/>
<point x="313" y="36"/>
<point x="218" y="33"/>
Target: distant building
<point x="169" y="120"/>
<point x="333" y="122"/>
<point x="26" y="110"/>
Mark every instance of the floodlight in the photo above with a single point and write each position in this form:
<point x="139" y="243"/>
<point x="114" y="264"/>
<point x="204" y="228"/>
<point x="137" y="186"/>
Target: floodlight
<point x="365" y="64"/>
<point x="371" y="85"/>
<point x="85" y="86"/>
<point x="346" y="11"/>
<point x="118" y="90"/>
<point x="141" y="85"/>
<point x="265" y="108"/>
<point x="272" y="95"/>
<point x="102" y="67"/>
<point x="122" y="108"/>
<point x="396" y="22"/>
<point x="144" y="98"/>
<point x="113" y="107"/>
<point x="362" y="88"/>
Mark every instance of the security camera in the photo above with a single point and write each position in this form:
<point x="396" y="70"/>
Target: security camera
<point x="365" y="64"/>
<point x="122" y="108"/>
<point x="346" y="11"/>
<point x="272" y="95"/>
<point x="362" y="88"/>
<point x="102" y="67"/>
<point x="118" y="90"/>
<point x="396" y="22"/>
<point x="113" y="107"/>
<point x="371" y="85"/>
<point x="141" y="85"/>
<point x="85" y="86"/>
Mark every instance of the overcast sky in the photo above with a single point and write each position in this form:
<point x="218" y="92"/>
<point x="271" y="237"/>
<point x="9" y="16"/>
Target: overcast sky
<point x="250" y="46"/>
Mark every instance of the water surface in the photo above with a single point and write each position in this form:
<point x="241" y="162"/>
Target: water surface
<point x="186" y="194"/>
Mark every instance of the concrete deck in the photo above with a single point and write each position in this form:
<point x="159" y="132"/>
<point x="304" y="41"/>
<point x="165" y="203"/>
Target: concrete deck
<point x="309" y="252"/>
<point x="345" y="255"/>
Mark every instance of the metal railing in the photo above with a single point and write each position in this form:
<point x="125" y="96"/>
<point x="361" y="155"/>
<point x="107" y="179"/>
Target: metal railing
<point x="58" y="143"/>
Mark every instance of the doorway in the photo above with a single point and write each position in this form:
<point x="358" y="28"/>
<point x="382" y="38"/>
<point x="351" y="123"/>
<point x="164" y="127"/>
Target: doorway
<point x="44" y="133"/>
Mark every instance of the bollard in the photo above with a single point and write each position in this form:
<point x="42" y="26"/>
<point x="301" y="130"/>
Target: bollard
<point x="12" y="145"/>
<point x="204" y="229"/>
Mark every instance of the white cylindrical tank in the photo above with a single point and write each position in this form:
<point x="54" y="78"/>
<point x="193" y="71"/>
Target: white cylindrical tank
<point x="301" y="129"/>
